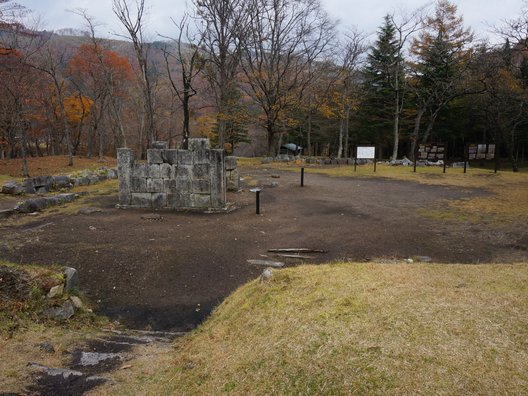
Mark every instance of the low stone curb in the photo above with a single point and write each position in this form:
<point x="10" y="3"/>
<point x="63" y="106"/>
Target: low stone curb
<point x="45" y="184"/>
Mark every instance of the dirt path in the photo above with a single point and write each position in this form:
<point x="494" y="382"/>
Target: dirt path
<point x="169" y="274"/>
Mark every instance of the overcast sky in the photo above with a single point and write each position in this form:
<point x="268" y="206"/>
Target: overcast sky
<point x="365" y="14"/>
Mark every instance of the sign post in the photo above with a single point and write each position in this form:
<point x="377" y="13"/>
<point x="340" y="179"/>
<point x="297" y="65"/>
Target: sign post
<point x="481" y="151"/>
<point x="366" y="152"/>
<point x="432" y="152"/>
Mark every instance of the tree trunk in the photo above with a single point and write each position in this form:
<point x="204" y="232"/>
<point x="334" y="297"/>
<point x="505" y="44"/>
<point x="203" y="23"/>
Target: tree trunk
<point x="396" y="130"/>
<point x="340" y="138"/>
<point x="347" y="119"/>
<point x="416" y="133"/>
<point x="309" y="133"/>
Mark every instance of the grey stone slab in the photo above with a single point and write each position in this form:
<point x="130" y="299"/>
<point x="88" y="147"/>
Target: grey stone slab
<point x="154" y="171"/>
<point x="159" y="200"/>
<point x="61" y="181"/>
<point x="179" y="200"/>
<point x="140" y="170"/>
<point x="201" y="187"/>
<point x="12" y="188"/>
<point x="94" y="179"/>
<point x="185" y="157"/>
<point x="181" y="184"/>
<point x="125" y="163"/>
<point x="29" y="187"/>
<point x="183" y="171"/>
<point x="230" y="163"/>
<point x="201" y="156"/>
<point x="218" y="179"/>
<point x="233" y="180"/>
<point x="139" y="184"/>
<point x="201" y="171"/>
<point x="67" y="197"/>
<point x="154" y="156"/>
<point x="159" y="144"/>
<point x="43" y="181"/>
<point x="154" y="185"/>
<point x="199" y="144"/>
<point x="201" y="201"/>
<point x="32" y="205"/>
<point x="166" y="171"/>
<point x="170" y="156"/>
<point x="142" y="200"/>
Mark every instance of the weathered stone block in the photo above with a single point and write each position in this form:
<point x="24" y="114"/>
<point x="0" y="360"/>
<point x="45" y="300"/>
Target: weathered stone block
<point x="43" y="181"/>
<point x="160" y="145"/>
<point x="139" y="184"/>
<point x="218" y="179"/>
<point x="94" y="179"/>
<point x="201" y="186"/>
<point x="181" y="184"/>
<point x="183" y="171"/>
<point x="230" y="163"/>
<point x="154" y="156"/>
<point x="142" y="200"/>
<point x="154" y="171"/>
<point x="179" y="200"/>
<point x="141" y="170"/>
<point x="201" y="156"/>
<point x="166" y="171"/>
<point x="233" y="180"/>
<point x="201" y="171"/>
<point x="185" y="157"/>
<point x="29" y="187"/>
<point x="154" y="185"/>
<point x="32" y="205"/>
<point x="61" y="182"/>
<point x="125" y="163"/>
<point x="200" y="201"/>
<point x="12" y="188"/>
<point x="170" y="156"/>
<point x="159" y="200"/>
<point x="72" y="278"/>
<point x="198" y="144"/>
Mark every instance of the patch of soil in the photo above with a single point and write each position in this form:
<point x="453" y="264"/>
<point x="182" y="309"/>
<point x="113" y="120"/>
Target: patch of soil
<point x="168" y="275"/>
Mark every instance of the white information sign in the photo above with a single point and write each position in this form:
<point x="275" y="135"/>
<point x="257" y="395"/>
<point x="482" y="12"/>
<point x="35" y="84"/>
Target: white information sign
<point x="366" y="152"/>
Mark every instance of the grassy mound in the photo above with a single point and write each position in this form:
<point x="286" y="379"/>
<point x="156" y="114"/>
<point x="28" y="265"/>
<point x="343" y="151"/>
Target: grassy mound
<point x="357" y="329"/>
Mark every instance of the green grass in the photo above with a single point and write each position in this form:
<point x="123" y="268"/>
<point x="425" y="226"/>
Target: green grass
<point x="390" y="329"/>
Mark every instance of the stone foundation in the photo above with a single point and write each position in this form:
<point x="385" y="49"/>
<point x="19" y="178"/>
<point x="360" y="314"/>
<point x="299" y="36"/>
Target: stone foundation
<point x="173" y="179"/>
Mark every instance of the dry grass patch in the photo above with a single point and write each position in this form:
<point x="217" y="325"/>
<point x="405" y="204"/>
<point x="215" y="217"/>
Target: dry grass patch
<point x="52" y="165"/>
<point x="357" y="329"/>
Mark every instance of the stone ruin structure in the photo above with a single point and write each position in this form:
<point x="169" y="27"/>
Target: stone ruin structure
<point x="196" y="178"/>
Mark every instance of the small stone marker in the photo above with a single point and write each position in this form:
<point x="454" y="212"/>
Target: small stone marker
<point x="267" y="263"/>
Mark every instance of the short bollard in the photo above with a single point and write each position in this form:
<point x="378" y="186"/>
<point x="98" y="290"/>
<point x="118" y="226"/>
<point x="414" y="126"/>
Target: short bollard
<point x="257" y="199"/>
<point x="302" y="177"/>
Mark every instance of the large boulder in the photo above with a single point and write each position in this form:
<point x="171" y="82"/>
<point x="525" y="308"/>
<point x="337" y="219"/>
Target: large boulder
<point x="12" y="188"/>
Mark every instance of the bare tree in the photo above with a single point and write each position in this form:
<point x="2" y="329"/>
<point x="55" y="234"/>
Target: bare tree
<point x="406" y="24"/>
<point x="284" y="38"/>
<point x="51" y="61"/>
<point x="225" y="24"/>
<point x="352" y="50"/>
<point x="132" y="19"/>
<point x="188" y="57"/>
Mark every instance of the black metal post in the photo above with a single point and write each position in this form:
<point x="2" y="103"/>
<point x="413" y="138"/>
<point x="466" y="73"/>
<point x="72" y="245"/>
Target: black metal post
<point x="445" y="157"/>
<point x="466" y="157"/>
<point x="355" y="164"/>
<point x="302" y="177"/>
<point x="257" y="196"/>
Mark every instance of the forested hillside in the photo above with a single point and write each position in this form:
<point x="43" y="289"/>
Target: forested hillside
<point x="252" y="75"/>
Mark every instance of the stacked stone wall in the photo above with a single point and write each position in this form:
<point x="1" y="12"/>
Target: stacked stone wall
<point x="175" y="179"/>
